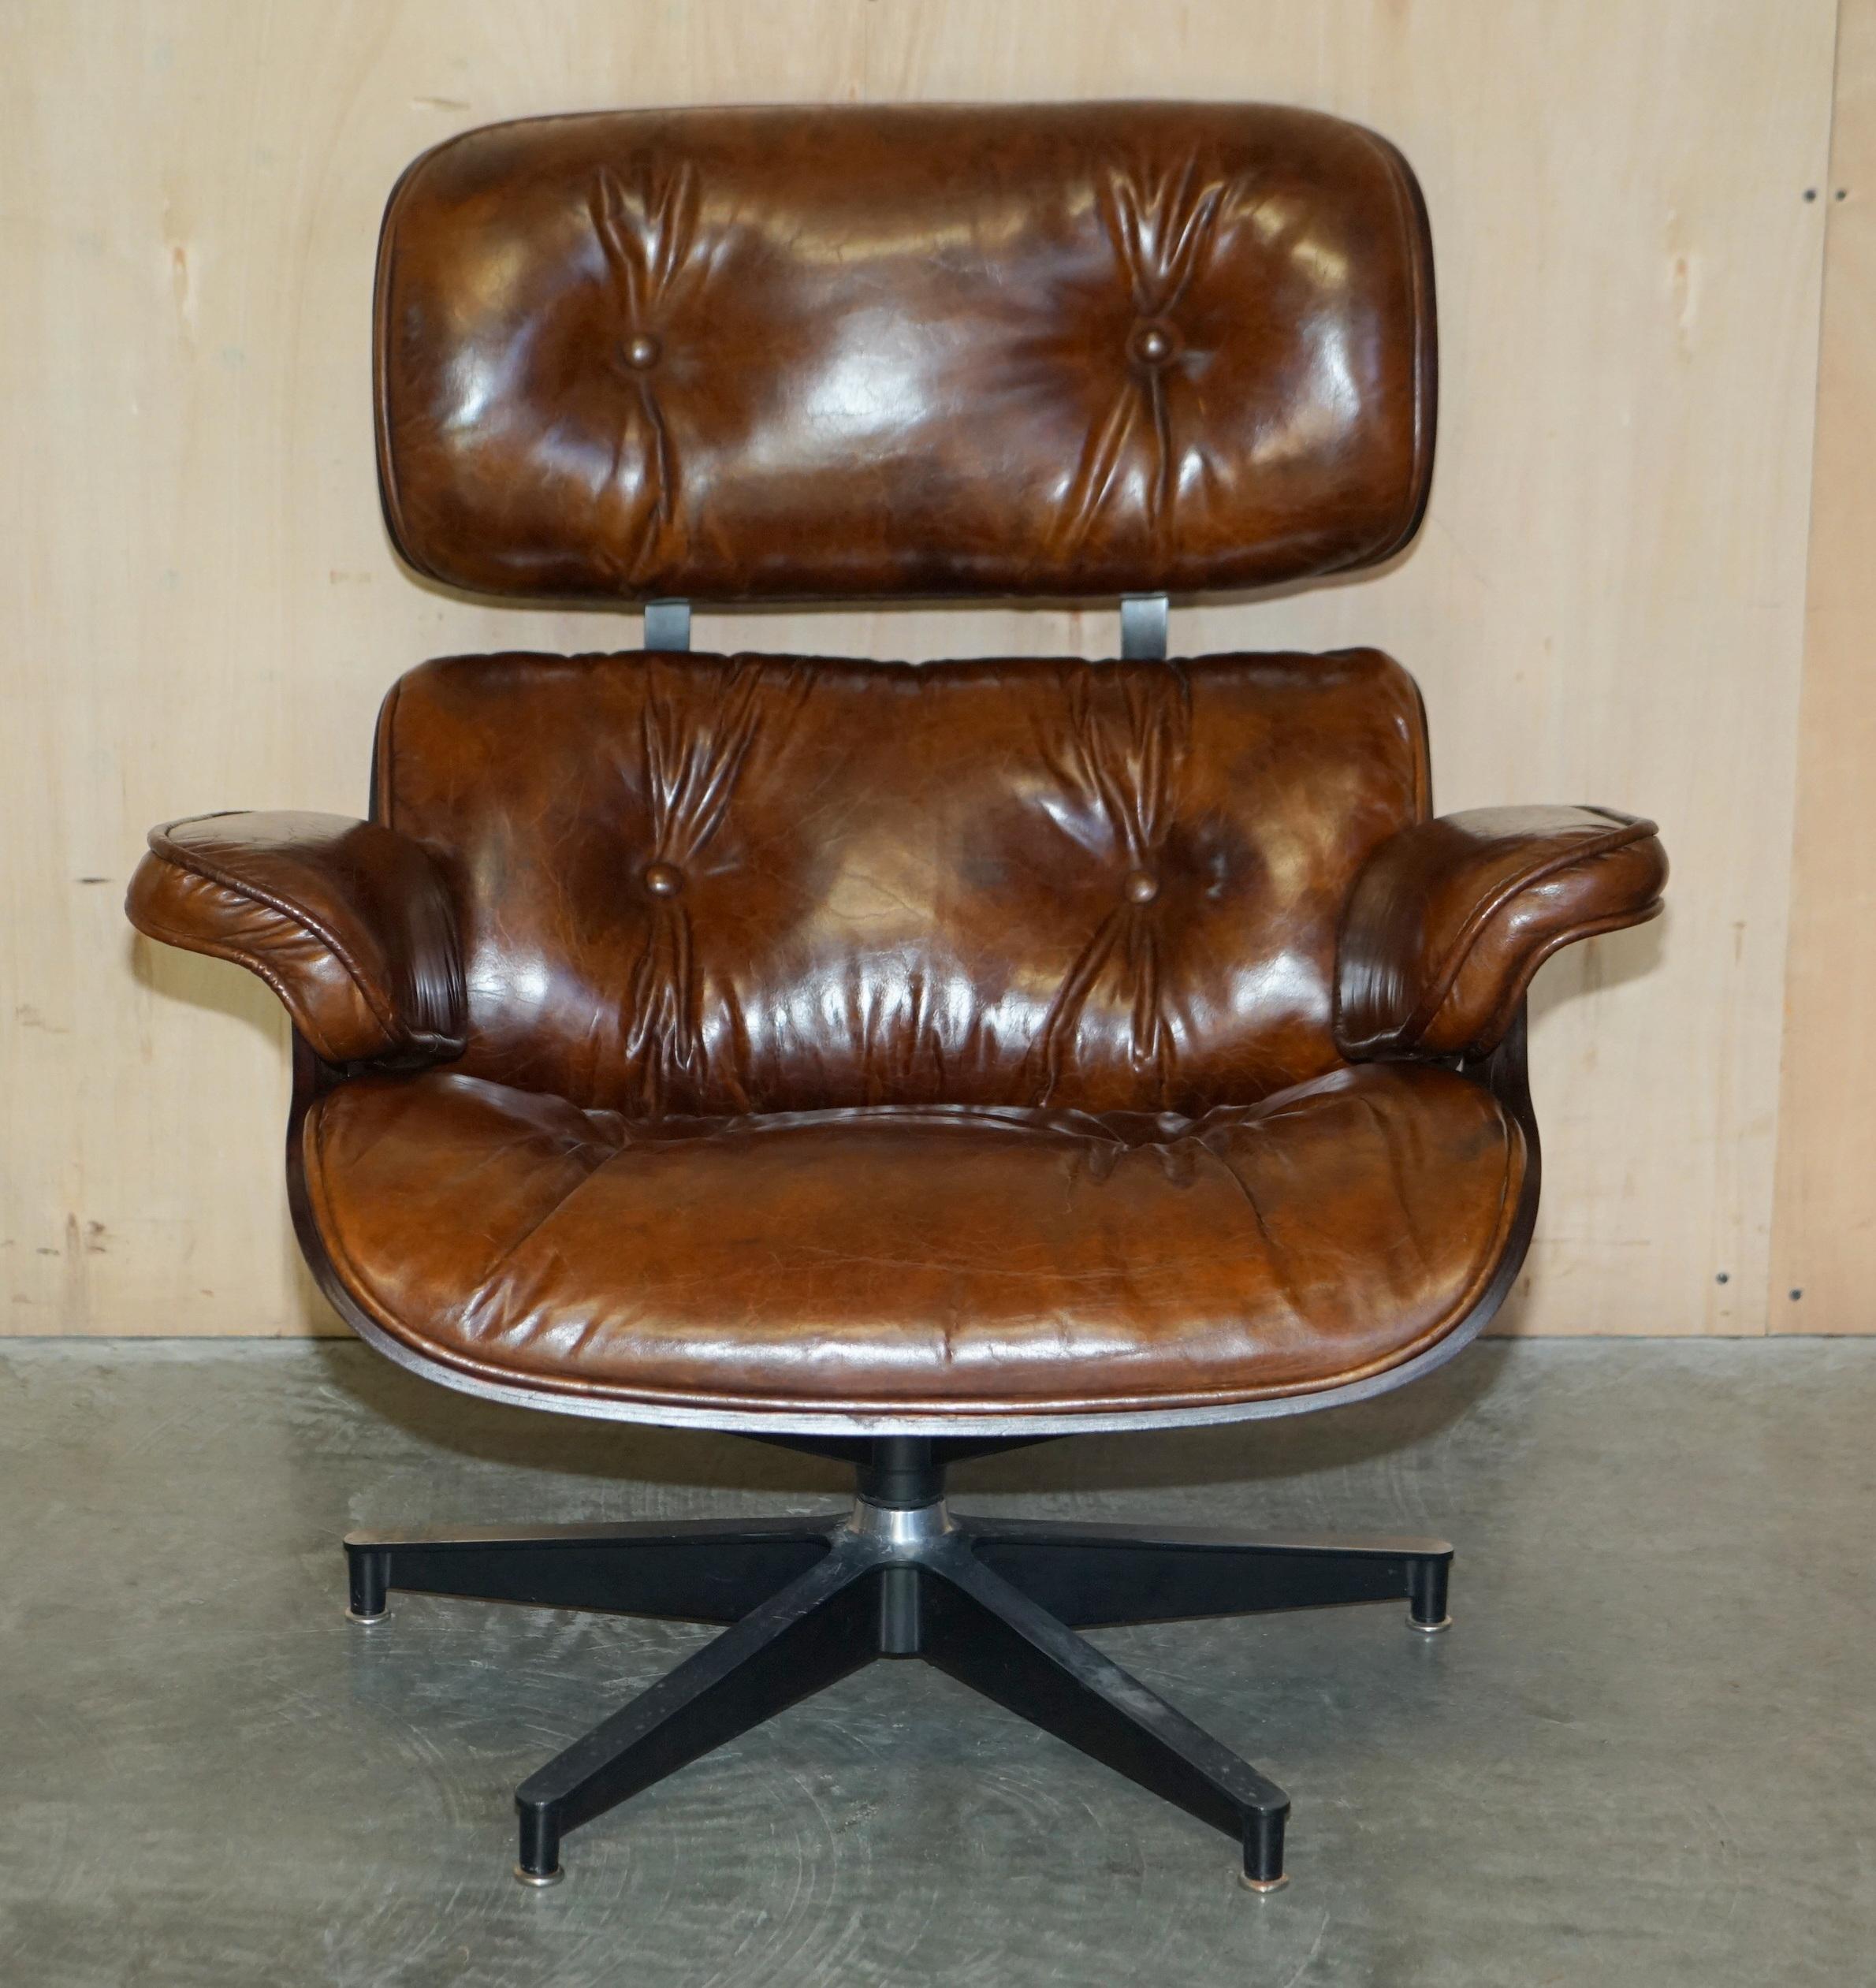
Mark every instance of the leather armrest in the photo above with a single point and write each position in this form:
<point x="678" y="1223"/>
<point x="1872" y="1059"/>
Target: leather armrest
<point x="349" y="923"/>
<point x="1449" y="919"/>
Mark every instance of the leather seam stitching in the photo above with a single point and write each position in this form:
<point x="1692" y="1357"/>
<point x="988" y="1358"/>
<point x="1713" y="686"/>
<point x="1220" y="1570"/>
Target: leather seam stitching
<point x="385" y="1016"/>
<point x="1441" y="982"/>
<point x="289" y="997"/>
<point x="1415" y="234"/>
<point x="1521" y="982"/>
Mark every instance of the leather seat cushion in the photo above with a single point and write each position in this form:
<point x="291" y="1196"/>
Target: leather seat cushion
<point x="960" y="1258"/>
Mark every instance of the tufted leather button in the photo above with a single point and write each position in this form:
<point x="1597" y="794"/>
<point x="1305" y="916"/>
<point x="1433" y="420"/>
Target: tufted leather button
<point x="1154" y="342"/>
<point x="1141" y="888"/>
<point x="662" y="880"/>
<point x="641" y="351"/>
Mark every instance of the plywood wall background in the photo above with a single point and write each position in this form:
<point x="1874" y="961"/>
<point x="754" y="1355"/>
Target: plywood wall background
<point x="1824" y="1231"/>
<point x="198" y="607"/>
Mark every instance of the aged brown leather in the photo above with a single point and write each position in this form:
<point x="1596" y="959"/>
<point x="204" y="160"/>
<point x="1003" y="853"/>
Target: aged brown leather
<point x="1450" y="919"/>
<point x="1033" y="349"/>
<point x="839" y="1033"/>
<point x="348" y="922"/>
<point x="708" y="884"/>
<point x="752" y="1036"/>
<point x="936" y="1259"/>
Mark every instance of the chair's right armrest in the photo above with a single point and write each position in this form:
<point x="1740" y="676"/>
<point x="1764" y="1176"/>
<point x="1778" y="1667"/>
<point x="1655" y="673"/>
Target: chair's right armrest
<point x="1451" y="918"/>
<point x="350" y="923"/>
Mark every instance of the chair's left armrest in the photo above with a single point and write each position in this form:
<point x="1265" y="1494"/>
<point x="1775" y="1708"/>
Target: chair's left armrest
<point x="349" y="923"/>
<point x="1449" y="919"/>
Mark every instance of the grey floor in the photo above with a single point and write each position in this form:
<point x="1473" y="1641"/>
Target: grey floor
<point x="1647" y="1754"/>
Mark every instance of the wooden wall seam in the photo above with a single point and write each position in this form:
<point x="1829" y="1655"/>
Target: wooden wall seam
<point x="1822" y="1269"/>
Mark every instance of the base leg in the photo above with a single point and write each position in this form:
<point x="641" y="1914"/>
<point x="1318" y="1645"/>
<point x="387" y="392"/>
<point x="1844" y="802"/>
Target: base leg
<point x="696" y="1571"/>
<point x="1087" y="1576"/>
<point x="822" y="1625"/>
<point x="989" y="1635"/>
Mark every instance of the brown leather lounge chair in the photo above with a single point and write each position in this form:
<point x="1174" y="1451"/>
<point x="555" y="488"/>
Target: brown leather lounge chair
<point x="901" y="1064"/>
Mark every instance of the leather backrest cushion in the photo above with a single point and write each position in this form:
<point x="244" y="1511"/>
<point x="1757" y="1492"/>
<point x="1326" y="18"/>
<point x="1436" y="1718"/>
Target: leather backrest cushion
<point x="1025" y="350"/>
<point x="710" y="884"/>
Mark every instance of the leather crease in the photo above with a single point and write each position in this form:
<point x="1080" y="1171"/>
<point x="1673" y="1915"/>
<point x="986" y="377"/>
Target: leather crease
<point x="647" y="233"/>
<point x="694" y="755"/>
<point x="1123" y="748"/>
<point x="1162" y="224"/>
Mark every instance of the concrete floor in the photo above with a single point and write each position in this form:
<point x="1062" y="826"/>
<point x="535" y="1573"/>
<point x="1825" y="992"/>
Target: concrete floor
<point x="1647" y="1754"/>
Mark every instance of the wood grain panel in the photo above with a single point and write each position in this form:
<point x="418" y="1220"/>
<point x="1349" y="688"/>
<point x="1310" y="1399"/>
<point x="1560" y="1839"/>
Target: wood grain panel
<point x="1823" y="1275"/>
<point x="202" y="610"/>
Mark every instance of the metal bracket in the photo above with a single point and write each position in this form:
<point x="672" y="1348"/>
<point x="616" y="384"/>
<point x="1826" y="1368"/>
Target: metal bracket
<point x="668" y="624"/>
<point x="1143" y="628"/>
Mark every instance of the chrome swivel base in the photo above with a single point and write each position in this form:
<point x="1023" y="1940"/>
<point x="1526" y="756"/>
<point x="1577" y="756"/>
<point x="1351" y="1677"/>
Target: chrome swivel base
<point x="995" y="1603"/>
